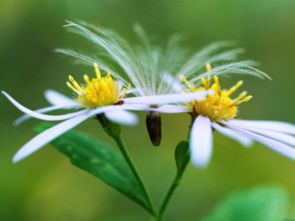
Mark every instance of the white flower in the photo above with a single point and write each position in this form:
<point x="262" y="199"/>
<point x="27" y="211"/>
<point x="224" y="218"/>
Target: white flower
<point x="217" y="112"/>
<point x="278" y="136"/>
<point x="98" y="95"/>
<point x="148" y="67"/>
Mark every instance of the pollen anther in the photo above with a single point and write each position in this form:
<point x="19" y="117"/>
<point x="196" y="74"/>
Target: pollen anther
<point x="96" y="92"/>
<point x="218" y="106"/>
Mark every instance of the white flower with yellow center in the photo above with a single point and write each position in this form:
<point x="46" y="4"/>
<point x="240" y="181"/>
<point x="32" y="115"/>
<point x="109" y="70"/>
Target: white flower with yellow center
<point x="99" y="95"/>
<point x="218" y="112"/>
<point x="150" y="68"/>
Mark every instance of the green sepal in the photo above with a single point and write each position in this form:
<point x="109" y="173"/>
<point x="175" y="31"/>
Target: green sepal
<point x="111" y="128"/>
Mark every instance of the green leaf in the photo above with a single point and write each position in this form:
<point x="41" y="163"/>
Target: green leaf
<point x="101" y="160"/>
<point x="182" y="156"/>
<point x="260" y="204"/>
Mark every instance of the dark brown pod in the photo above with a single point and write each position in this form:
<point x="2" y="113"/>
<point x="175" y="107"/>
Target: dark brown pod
<point x="154" y="127"/>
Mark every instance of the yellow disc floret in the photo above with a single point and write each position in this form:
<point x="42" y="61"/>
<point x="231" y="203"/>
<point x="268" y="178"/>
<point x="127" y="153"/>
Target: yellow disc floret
<point x="218" y="106"/>
<point x="96" y="92"/>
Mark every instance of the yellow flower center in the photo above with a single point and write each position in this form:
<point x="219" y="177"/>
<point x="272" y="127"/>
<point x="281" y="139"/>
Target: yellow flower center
<point x="218" y="106"/>
<point x="96" y="92"/>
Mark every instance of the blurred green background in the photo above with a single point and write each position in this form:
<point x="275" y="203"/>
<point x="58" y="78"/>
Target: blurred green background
<point x="46" y="187"/>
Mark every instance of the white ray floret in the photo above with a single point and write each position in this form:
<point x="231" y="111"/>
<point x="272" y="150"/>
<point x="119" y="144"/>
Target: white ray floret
<point x="282" y="143"/>
<point x="201" y="141"/>
<point x="218" y="111"/>
<point x="117" y="112"/>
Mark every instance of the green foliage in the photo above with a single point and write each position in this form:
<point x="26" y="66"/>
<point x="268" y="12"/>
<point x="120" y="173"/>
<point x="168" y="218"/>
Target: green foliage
<point x="101" y="160"/>
<point x="260" y="204"/>
<point x="181" y="156"/>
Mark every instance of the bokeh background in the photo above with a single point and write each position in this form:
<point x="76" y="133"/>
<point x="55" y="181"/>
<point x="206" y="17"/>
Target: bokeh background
<point x="46" y="187"/>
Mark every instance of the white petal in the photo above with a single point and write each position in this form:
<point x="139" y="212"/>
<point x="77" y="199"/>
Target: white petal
<point x="169" y="109"/>
<point x="277" y="146"/>
<point x="110" y="108"/>
<point x="120" y="85"/>
<point x="172" y="109"/>
<point x="26" y="117"/>
<point x="47" y="136"/>
<point x="173" y="82"/>
<point x="232" y="134"/>
<point x="39" y="115"/>
<point x="133" y="91"/>
<point x="168" y="98"/>
<point x="266" y="125"/>
<point x="201" y="142"/>
<point x="57" y="99"/>
<point x="122" y="117"/>
<point x="137" y="107"/>
<point x="285" y="138"/>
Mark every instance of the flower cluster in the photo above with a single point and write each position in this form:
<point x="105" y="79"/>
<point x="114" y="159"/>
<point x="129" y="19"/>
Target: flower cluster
<point x="158" y="81"/>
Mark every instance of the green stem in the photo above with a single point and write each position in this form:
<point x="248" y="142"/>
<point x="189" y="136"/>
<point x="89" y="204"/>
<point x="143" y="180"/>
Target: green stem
<point x="173" y="185"/>
<point x="128" y="159"/>
<point x="168" y="197"/>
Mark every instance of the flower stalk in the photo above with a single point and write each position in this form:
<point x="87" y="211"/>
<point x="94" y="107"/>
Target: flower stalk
<point x="129" y="160"/>
<point x="114" y="131"/>
<point x="168" y="196"/>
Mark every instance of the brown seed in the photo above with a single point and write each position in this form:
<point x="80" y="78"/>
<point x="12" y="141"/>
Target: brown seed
<point x="154" y="127"/>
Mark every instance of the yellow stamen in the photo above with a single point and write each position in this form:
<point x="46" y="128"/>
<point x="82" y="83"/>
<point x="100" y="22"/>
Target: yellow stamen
<point x="234" y="88"/>
<point x="240" y="97"/>
<point x="86" y="78"/>
<point x="185" y="81"/>
<point x="218" y="106"/>
<point x="75" y="83"/>
<point x="97" y="71"/>
<point x="125" y="89"/>
<point x="207" y="82"/>
<point x="204" y="82"/>
<point x="245" y="99"/>
<point x="208" y="67"/>
<point x="72" y="87"/>
<point x="97" y="92"/>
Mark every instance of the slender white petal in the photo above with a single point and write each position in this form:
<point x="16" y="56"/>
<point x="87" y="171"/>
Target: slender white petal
<point x="277" y="146"/>
<point x="122" y="117"/>
<point x="168" y="99"/>
<point x="201" y="142"/>
<point x="285" y="138"/>
<point x="266" y="125"/>
<point x="26" y="117"/>
<point x="120" y="85"/>
<point x="169" y="109"/>
<point x="57" y="99"/>
<point x="133" y="91"/>
<point x="122" y="107"/>
<point x="47" y="136"/>
<point x="173" y="82"/>
<point x="244" y="140"/>
<point x="172" y="109"/>
<point x="40" y="115"/>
